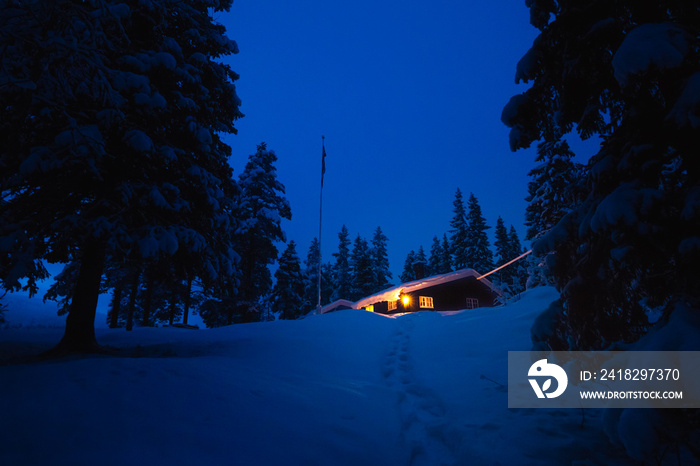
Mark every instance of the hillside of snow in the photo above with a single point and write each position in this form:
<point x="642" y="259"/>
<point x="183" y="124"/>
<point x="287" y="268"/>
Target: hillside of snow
<point x="346" y="388"/>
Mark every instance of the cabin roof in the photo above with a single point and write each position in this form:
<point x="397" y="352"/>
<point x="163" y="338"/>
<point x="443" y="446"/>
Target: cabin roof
<point x="338" y="304"/>
<point x="391" y="294"/>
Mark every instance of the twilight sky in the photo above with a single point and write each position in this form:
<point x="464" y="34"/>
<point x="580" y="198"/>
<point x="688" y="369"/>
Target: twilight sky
<point x="408" y="95"/>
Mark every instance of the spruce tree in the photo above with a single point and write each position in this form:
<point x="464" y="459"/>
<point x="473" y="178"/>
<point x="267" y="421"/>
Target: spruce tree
<point x="327" y="286"/>
<point x="627" y="72"/>
<point x="420" y="264"/>
<point x="514" y="243"/>
<point x="311" y="268"/>
<point x="172" y="290"/>
<point x="503" y="250"/>
<point x="446" y="262"/>
<point x="111" y="142"/>
<point x="459" y="234"/>
<point x="409" y="272"/>
<point x="380" y="261"/>
<point x="262" y="206"/>
<point x="435" y="259"/>
<point x="342" y="278"/>
<point x="288" y="292"/>
<point x="362" y="283"/>
<point x="518" y="270"/>
<point x="478" y="250"/>
<point x="552" y="190"/>
<point x="502" y="243"/>
<point x="552" y="193"/>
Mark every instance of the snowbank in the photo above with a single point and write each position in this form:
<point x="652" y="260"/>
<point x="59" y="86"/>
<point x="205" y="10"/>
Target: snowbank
<point x="345" y="388"/>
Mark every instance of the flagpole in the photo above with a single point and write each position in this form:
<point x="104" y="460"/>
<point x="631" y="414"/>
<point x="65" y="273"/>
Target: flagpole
<point x="320" y="221"/>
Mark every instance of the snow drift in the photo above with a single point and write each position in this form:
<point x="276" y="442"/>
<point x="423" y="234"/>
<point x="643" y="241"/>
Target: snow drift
<point x="345" y="388"/>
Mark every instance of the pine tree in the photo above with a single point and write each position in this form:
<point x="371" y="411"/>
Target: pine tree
<point x="409" y="272"/>
<point x="630" y="244"/>
<point x="518" y="270"/>
<point x="420" y="264"/>
<point x="446" y="262"/>
<point x="123" y="156"/>
<point x="435" y="259"/>
<point x="503" y="255"/>
<point x="217" y="312"/>
<point x="503" y="243"/>
<point x="311" y="268"/>
<point x="512" y="278"/>
<point x="514" y="246"/>
<point x="478" y="251"/>
<point x="380" y="261"/>
<point x="459" y="234"/>
<point x="262" y="207"/>
<point x="342" y="278"/>
<point x="327" y="286"/>
<point x="362" y="283"/>
<point x="552" y="191"/>
<point x="629" y="72"/>
<point x="288" y="292"/>
<point x="172" y="290"/>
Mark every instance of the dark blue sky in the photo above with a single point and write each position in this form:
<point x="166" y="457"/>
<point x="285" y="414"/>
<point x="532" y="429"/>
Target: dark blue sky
<point x="408" y="95"/>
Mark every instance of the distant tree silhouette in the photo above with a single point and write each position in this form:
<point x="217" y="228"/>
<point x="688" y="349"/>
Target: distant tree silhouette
<point x="478" y="249"/>
<point x="288" y="292"/>
<point x="380" y="261"/>
<point x="363" y="277"/>
<point x="409" y="273"/>
<point x="342" y="275"/>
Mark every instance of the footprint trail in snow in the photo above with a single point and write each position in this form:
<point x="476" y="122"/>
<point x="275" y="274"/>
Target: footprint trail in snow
<point x="425" y="431"/>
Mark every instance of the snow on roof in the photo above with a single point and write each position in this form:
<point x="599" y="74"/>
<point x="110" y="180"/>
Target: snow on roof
<point x="336" y="304"/>
<point x="392" y="294"/>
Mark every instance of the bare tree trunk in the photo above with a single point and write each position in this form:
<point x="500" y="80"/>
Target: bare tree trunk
<point x="132" y="300"/>
<point x="172" y="311"/>
<point x="148" y="297"/>
<point x="116" y="306"/>
<point x="188" y="299"/>
<point x="79" y="336"/>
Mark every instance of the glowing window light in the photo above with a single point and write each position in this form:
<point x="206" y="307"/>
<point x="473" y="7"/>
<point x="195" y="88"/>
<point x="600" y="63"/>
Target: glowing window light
<point x="426" y="302"/>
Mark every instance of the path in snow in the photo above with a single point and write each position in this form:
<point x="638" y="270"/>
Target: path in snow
<point x="425" y="431"/>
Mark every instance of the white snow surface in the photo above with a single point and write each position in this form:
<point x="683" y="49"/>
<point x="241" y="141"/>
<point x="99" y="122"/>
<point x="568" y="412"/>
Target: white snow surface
<point x="346" y="388"/>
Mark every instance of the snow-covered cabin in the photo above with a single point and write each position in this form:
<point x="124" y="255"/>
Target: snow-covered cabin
<point x="447" y="292"/>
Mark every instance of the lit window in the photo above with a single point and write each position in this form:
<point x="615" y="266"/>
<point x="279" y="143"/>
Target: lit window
<point x="472" y="303"/>
<point x="392" y="305"/>
<point x="370" y="308"/>
<point x="426" y="302"/>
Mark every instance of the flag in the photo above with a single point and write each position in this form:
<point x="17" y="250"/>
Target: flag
<point x="323" y="163"/>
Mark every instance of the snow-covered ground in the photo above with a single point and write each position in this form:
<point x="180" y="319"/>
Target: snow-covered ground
<point x="346" y="388"/>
